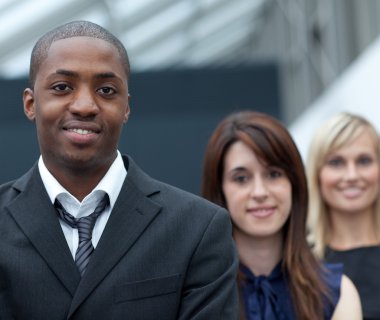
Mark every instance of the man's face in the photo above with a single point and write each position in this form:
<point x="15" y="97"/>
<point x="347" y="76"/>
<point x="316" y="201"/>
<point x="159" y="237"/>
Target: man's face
<point x="79" y="104"/>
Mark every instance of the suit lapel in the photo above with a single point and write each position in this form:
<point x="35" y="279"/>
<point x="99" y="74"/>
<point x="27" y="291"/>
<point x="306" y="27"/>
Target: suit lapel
<point x="37" y="218"/>
<point x="132" y="213"/>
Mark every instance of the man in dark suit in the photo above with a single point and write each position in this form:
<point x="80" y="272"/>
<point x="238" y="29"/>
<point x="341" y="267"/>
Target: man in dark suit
<point x="147" y="251"/>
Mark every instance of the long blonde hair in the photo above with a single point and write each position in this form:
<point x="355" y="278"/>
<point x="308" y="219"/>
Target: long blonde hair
<point x="338" y="131"/>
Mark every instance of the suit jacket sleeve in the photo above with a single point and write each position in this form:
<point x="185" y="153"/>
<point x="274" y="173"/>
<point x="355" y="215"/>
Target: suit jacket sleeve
<point x="210" y="285"/>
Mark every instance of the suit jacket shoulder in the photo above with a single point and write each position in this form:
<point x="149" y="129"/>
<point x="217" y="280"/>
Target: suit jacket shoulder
<point x="164" y="254"/>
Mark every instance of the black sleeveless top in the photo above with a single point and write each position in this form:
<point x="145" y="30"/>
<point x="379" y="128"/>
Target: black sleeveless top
<point x="362" y="266"/>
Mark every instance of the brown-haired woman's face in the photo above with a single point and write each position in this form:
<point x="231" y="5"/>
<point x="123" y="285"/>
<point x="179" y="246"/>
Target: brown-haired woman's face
<point x="258" y="196"/>
<point x="349" y="178"/>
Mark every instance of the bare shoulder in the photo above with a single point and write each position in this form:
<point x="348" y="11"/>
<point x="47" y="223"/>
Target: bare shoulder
<point x="349" y="305"/>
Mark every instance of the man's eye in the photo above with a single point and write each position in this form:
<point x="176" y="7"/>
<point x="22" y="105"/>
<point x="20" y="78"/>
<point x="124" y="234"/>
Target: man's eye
<point x="61" y="87"/>
<point x="107" y="90"/>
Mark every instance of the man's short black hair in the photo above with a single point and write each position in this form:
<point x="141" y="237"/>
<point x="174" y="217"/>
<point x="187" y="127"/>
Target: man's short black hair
<point x="70" y="30"/>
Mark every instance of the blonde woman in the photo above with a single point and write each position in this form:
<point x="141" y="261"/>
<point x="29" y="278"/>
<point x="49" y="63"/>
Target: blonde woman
<point x="343" y="171"/>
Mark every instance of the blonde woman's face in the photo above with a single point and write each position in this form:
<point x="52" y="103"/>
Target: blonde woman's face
<point x="259" y="197"/>
<point x="349" y="178"/>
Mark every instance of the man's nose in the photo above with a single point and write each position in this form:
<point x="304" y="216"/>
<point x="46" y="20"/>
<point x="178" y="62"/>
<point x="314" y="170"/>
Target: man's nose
<point x="84" y="103"/>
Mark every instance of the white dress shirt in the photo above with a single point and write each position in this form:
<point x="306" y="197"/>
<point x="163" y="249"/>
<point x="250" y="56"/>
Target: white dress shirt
<point x="110" y="184"/>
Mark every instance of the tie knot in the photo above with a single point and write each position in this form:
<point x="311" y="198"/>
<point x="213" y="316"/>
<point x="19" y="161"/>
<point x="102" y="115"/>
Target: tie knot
<point x="88" y="221"/>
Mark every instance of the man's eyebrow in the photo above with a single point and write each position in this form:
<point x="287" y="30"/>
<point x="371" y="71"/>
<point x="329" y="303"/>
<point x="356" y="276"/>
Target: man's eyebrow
<point x="66" y="73"/>
<point x="106" y="75"/>
<point x="101" y="75"/>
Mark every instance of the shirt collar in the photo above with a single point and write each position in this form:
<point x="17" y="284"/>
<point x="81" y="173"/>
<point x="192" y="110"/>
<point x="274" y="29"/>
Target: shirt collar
<point x="111" y="183"/>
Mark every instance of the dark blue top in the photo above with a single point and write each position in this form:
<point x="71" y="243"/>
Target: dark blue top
<point x="268" y="297"/>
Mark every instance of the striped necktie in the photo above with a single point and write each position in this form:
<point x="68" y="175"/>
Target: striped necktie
<point x="85" y="225"/>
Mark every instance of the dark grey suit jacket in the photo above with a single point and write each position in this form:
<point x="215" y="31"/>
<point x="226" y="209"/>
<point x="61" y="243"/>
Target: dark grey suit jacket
<point x="164" y="254"/>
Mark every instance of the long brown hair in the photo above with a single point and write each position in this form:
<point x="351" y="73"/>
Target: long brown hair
<point x="272" y="143"/>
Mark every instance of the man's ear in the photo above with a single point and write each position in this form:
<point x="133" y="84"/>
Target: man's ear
<point x="28" y="99"/>
<point x="127" y="111"/>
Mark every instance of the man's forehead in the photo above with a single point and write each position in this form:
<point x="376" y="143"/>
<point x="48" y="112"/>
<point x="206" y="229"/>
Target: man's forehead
<point x="78" y="54"/>
<point x="81" y="40"/>
<point x="82" y="46"/>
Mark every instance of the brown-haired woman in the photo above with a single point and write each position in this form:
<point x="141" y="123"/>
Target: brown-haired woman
<point x="253" y="168"/>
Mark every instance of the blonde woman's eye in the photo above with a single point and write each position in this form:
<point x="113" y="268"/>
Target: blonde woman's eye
<point x="365" y="161"/>
<point x="335" y="162"/>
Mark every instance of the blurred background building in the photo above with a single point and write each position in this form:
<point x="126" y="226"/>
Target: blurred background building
<point x="194" y="61"/>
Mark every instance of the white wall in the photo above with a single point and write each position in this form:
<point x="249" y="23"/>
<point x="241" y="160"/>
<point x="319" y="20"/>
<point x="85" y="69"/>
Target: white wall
<point x="357" y="91"/>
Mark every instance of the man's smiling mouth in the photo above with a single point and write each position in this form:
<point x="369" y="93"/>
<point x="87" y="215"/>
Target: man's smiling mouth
<point x="81" y="131"/>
